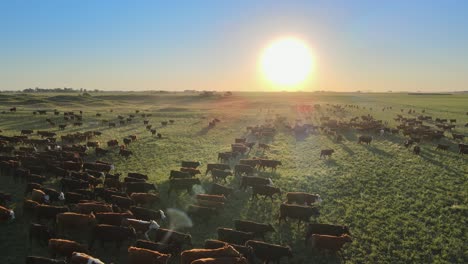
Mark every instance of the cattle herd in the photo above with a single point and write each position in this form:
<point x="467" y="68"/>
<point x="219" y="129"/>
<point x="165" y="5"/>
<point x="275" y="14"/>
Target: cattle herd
<point x="113" y="209"/>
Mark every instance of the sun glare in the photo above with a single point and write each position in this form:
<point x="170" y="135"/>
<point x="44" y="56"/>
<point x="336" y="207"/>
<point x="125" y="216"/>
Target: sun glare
<point x="287" y="62"/>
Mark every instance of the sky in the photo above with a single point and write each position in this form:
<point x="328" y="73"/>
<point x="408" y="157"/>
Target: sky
<point x="216" y="45"/>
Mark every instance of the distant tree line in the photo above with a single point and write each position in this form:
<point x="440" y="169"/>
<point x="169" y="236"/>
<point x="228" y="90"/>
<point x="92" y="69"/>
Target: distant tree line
<point x="58" y="90"/>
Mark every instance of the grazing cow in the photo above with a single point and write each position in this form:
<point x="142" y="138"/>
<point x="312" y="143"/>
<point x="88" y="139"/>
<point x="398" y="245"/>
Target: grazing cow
<point x="246" y="251"/>
<point x="442" y="147"/>
<point x="331" y="243"/>
<point x="203" y="212"/>
<point x="269" y="252"/>
<point x="137" y="175"/>
<point x="110" y="233"/>
<point x="49" y="212"/>
<point x="219" y="166"/>
<point x="192" y="171"/>
<point x="220" y="174"/>
<point x="144" y="198"/>
<point x="112" y="218"/>
<point x="145" y="256"/>
<point x="75" y="221"/>
<point x="365" y="139"/>
<point x="213" y="198"/>
<point x="265" y="190"/>
<point x="190" y="164"/>
<point x="182" y="184"/>
<point x="234" y="236"/>
<point x="169" y="236"/>
<point x="241" y="169"/>
<point x="139" y="187"/>
<point x="416" y="150"/>
<point x="40" y="233"/>
<point x="147" y="214"/>
<point x="258" y="229"/>
<point x="301" y="213"/>
<point x="157" y="246"/>
<point x="302" y="198"/>
<point x="42" y="260"/>
<point x="326" y="152"/>
<point x="141" y="226"/>
<point x="247" y="181"/>
<point x="179" y="175"/>
<point x="217" y="189"/>
<point x="62" y="247"/>
<point x="92" y="207"/>
<point x="188" y="256"/>
<point x="325" y="229"/>
<point x="81" y="258"/>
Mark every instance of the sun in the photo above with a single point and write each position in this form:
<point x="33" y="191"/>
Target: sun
<point x="287" y="62"/>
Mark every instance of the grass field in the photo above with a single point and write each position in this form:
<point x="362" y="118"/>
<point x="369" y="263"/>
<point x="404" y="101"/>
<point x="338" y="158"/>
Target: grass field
<point x="400" y="207"/>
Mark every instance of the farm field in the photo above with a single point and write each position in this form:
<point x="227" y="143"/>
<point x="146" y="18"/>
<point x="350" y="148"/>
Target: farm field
<point x="400" y="207"/>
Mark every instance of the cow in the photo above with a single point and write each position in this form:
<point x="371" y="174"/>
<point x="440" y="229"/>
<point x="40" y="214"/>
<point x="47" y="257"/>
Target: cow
<point x="112" y="218"/>
<point x="137" y="175"/>
<point x="202" y="212"/>
<point x="325" y="229"/>
<point x="145" y="256"/>
<point x="101" y="151"/>
<point x="217" y="189"/>
<point x="43" y="260"/>
<point x="182" y="184"/>
<point x="74" y="221"/>
<point x="40" y="233"/>
<point x="246" y="251"/>
<point x="269" y="252"/>
<point x="210" y="197"/>
<point x="72" y="184"/>
<point x="302" y="198"/>
<point x="144" y="198"/>
<point x="26" y="132"/>
<point x="158" y="246"/>
<point x="82" y="258"/>
<point x="92" y="207"/>
<point x="125" y="153"/>
<point x="139" y="187"/>
<point x="365" y="139"/>
<point x="190" y="164"/>
<point x="219" y="166"/>
<point x="263" y="146"/>
<point x="49" y="212"/>
<point x="147" y="214"/>
<point x="458" y="136"/>
<point x="36" y="178"/>
<point x="188" y="256"/>
<point x="121" y="202"/>
<point x="251" y="162"/>
<point x="326" y="153"/>
<point x="416" y="150"/>
<point x="220" y="174"/>
<point x="258" y="229"/>
<point x="53" y="195"/>
<point x="222" y="260"/>
<point x="63" y="247"/>
<point x="442" y="147"/>
<point x="247" y="181"/>
<point x="4" y="198"/>
<point x="169" y="236"/>
<point x="112" y="143"/>
<point x="234" y="236"/>
<point x="191" y="171"/>
<point x="141" y="226"/>
<point x="241" y="169"/>
<point x="265" y="190"/>
<point x="331" y="243"/>
<point x="301" y="213"/>
<point x="179" y="175"/>
<point x="39" y="196"/>
<point x="110" y="233"/>
<point x="264" y="163"/>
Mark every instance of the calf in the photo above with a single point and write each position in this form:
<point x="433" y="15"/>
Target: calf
<point x="63" y="247"/>
<point x="269" y="252"/>
<point x="110" y="233"/>
<point x="302" y="198"/>
<point x="331" y="243"/>
<point x="234" y="236"/>
<point x="145" y="256"/>
<point x="301" y="213"/>
<point x="258" y="229"/>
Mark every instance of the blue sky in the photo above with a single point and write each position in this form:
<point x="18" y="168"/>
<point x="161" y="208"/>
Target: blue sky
<point x="215" y="45"/>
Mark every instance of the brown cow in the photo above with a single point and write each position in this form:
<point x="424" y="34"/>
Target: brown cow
<point x="74" y="221"/>
<point x="169" y="236"/>
<point x="87" y="208"/>
<point x="302" y="213"/>
<point x="302" y="198"/>
<point x="188" y="256"/>
<point x="325" y="229"/>
<point x="6" y="214"/>
<point x="65" y="248"/>
<point x="146" y="256"/>
<point x="141" y="226"/>
<point x="269" y="252"/>
<point x="38" y="196"/>
<point x="265" y="190"/>
<point x="144" y="198"/>
<point x="258" y="229"/>
<point x="211" y="197"/>
<point x="331" y="243"/>
<point x="82" y="258"/>
<point x="234" y="236"/>
<point x="42" y="260"/>
<point x="227" y="260"/>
